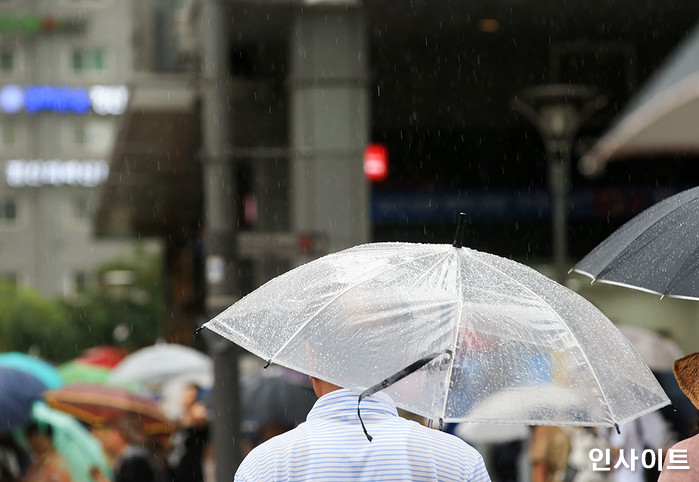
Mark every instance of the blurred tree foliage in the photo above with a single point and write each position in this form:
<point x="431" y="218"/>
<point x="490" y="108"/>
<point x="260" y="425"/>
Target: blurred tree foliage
<point x="123" y="307"/>
<point x="29" y="322"/>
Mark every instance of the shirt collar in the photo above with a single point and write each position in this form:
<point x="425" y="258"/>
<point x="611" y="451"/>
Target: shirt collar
<point x="342" y="405"/>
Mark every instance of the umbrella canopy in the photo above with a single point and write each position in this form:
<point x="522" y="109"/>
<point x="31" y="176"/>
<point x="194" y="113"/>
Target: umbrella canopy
<point x="656" y="251"/>
<point x="662" y="118"/>
<point x="98" y="404"/>
<point x="18" y="389"/>
<point x="74" y="442"/>
<point x="460" y="326"/>
<point x="42" y="370"/>
<point x="103" y="356"/>
<point x="156" y="364"/>
<point x="78" y="372"/>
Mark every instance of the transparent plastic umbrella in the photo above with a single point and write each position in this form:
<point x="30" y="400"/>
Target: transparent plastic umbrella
<point x="159" y="363"/>
<point x="441" y="330"/>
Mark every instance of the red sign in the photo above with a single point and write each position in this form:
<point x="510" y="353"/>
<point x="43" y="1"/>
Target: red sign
<point x="376" y="162"/>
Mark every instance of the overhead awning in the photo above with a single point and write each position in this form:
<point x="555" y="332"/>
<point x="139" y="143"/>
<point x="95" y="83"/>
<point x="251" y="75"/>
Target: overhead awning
<point x="153" y="186"/>
<point x="661" y="118"/>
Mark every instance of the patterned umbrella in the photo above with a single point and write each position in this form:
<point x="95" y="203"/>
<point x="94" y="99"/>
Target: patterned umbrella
<point x="98" y="404"/>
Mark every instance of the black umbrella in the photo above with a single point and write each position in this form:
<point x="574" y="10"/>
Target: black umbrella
<point x="657" y="251"/>
<point x="276" y="396"/>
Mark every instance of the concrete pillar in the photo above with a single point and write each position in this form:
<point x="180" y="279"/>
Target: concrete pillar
<point x="329" y="124"/>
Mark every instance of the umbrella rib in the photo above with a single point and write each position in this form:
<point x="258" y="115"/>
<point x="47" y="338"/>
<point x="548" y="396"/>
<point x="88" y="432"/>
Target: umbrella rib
<point x="526" y="288"/>
<point x="456" y="339"/>
<point x="676" y="276"/>
<point x="327" y="303"/>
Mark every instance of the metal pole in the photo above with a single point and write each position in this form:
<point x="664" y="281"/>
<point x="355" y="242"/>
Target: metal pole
<point x="222" y="281"/>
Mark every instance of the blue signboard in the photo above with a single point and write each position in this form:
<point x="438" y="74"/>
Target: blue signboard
<point x="34" y="99"/>
<point x="443" y="206"/>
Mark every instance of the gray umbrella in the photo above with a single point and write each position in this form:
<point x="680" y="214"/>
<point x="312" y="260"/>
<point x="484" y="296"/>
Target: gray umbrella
<point x="656" y="251"/>
<point x="277" y="396"/>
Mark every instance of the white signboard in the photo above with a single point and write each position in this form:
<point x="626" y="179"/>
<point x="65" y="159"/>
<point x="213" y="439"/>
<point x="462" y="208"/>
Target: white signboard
<point x="32" y="173"/>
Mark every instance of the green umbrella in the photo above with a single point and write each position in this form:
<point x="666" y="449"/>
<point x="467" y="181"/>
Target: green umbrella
<point x="80" y="449"/>
<point x="78" y="372"/>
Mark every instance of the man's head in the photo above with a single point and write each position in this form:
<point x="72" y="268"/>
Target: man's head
<point x="321" y="387"/>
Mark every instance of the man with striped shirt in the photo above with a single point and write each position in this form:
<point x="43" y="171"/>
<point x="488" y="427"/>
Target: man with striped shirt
<point x="331" y="446"/>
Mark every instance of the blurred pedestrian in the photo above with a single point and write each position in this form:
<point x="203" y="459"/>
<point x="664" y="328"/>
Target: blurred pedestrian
<point x="651" y="431"/>
<point x="14" y="461"/>
<point x="686" y="371"/>
<point x="548" y="453"/>
<point x="190" y="441"/>
<point x="47" y="464"/>
<point x="580" y="467"/>
<point x="330" y="444"/>
<point x="123" y="441"/>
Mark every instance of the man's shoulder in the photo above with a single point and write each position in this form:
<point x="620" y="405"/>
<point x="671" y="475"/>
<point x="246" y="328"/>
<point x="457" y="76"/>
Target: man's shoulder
<point x="278" y="444"/>
<point x="444" y="439"/>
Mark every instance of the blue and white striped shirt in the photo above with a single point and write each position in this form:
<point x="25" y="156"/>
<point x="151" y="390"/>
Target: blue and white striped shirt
<point x="331" y="446"/>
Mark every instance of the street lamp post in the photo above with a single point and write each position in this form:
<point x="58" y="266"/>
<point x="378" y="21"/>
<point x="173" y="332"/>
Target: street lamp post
<point x="558" y="111"/>
<point x="222" y="278"/>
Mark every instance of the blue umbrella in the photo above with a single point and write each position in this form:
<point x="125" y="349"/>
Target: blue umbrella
<point x="34" y="366"/>
<point x="19" y="390"/>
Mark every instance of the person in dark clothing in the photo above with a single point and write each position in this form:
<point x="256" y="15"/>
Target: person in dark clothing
<point x="190" y="441"/>
<point x="123" y="441"/>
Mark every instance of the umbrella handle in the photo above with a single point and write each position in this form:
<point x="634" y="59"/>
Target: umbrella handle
<point x="460" y="230"/>
<point x="399" y="375"/>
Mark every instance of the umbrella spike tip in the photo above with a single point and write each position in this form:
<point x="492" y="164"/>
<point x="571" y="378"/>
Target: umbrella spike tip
<point x="269" y="362"/>
<point x="460" y="229"/>
<point x="616" y="426"/>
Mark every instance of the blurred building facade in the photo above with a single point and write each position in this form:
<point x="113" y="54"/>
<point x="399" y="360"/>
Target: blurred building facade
<point x="63" y="71"/>
<point x="434" y="85"/>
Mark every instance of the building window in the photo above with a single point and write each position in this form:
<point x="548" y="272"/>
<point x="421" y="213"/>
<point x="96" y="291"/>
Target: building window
<point x="82" y="208"/>
<point x="11" y="64"/>
<point x="80" y="281"/>
<point x="8" y="134"/>
<point x="7" y="61"/>
<point x="8" y="211"/>
<point x="84" y="61"/>
<point x="91" y="136"/>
